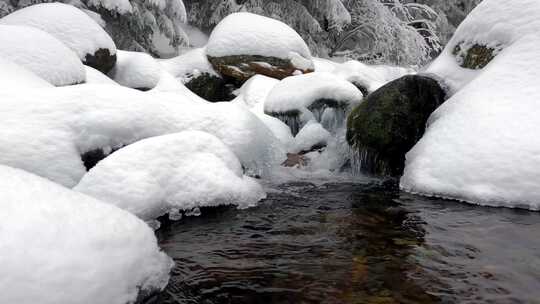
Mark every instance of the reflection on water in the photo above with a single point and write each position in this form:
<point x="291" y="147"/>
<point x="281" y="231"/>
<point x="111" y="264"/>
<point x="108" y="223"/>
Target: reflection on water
<point x="351" y="243"/>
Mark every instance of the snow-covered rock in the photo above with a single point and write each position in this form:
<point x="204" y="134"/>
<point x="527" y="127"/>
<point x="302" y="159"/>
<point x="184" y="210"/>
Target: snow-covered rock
<point x="297" y="99"/>
<point x="136" y="70"/>
<point x="41" y="54"/>
<point x="94" y="76"/>
<point x="481" y="146"/>
<point x="46" y="131"/>
<point x="73" y="28"/>
<point x="173" y="172"/>
<point x="58" y="246"/>
<point x="311" y="137"/>
<point x="14" y="77"/>
<point x="196" y="73"/>
<point x="245" y="44"/>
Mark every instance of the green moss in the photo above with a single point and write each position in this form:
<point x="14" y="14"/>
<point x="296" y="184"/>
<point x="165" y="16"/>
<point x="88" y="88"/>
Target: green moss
<point x="475" y="57"/>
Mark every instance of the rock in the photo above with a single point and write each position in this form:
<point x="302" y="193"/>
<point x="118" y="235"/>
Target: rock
<point x="243" y="67"/>
<point x="102" y="60"/>
<point x="390" y="121"/>
<point x="211" y="87"/>
<point x="474" y="57"/>
<point x="295" y="160"/>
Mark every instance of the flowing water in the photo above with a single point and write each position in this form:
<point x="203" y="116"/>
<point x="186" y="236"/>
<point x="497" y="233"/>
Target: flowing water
<point x="353" y="243"/>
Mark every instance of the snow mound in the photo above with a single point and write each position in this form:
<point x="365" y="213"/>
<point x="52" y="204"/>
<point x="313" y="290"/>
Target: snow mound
<point x="298" y="93"/>
<point x="252" y="96"/>
<point x="251" y="34"/>
<point x="482" y="146"/>
<point x="41" y="54"/>
<point x="66" y="23"/>
<point x="370" y="77"/>
<point x="324" y="65"/>
<point x="189" y="65"/>
<point x="173" y="172"/>
<point x="59" y="246"/>
<point x="312" y="135"/>
<point x="16" y="78"/>
<point x="46" y="131"/>
<point x="94" y="76"/>
<point x="136" y="70"/>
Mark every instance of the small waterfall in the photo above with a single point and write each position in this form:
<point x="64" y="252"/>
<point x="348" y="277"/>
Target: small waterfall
<point x="366" y="161"/>
<point x="291" y="119"/>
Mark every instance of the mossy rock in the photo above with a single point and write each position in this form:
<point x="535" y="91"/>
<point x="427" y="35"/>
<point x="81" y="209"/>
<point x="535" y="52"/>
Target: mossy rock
<point x="390" y="122"/>
<point x="211" y="87"/>
<point x="243" y="67"/>
<point x="475" y="57"/>
<point x="102" y="60"/>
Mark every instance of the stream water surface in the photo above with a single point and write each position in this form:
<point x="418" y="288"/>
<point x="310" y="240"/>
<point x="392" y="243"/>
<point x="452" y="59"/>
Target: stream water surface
<point x="353" y="243"/>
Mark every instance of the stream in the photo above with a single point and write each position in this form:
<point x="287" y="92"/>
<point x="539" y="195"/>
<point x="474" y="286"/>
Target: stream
<point x="353" y="243"/>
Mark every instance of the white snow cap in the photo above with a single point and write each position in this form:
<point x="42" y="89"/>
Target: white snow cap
<point x="14" y="77"/>
<point x="41" y="54"/>
<point x="251" y="34"/>
<point x="47" y="130"/>
<point x="177" y="171"/>
<point x="58" y="246"/>
<point x="482" y="145"/>
<point x="188" y="65"/>
<point x="299" y="92"/>
<point x="66" y="23"/>
<point x="136" y="70"/>
<point x="310" y="135"/>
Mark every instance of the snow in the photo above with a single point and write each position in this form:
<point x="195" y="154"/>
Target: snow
<point x="252" y="95"/>
<point x="58" y="246"/>
<point x="311" y="135"/>
<point x="94" y="76"/>
<point x="324" y="65"/>
<point x="482" y="146"/>
<point x="188" y="65"/>
<point x="372" y="77"/>
<point x="178" y="171"/>
<point x="14" y="77"/>
<point x="119" y="6"/>
<point x="297" y="93"/>
<point x="251" y="34"/>
<point x="136" y="70"/>
<point x="66" y="23"/>
<point x="47" y="130"/>
<point x="41" y="54"/>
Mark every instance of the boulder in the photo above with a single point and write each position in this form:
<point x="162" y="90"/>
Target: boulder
<point x="243" y="67"/>
<point x="211" y="87"/>
<point x="384" y="127"/>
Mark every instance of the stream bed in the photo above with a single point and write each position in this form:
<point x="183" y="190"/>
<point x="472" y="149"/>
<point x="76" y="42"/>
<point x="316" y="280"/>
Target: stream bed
<point x="353" y="243"/>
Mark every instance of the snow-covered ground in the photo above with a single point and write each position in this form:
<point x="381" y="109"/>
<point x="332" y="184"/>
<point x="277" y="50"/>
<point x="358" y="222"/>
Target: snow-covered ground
<point x="481" y="146"/>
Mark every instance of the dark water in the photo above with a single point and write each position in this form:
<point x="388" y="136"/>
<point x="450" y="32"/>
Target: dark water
<point x="352" y="243"/>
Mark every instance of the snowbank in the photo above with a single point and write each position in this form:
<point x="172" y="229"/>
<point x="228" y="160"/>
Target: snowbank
<point x="46" y="131"/>
<point x="94" y="76"/>
<point x="136" y="70"/>
<point x="482" y="146"/>
<point x="66" y="23"/>
<point x="58" y="246"/>
<point x="41" y="54"/>
<point x="16" y="78"/>
<point x="251" y="34"/>
<point x="173" y="172"/>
